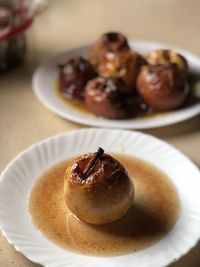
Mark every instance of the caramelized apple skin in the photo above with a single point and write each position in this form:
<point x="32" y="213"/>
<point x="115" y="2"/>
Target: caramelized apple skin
<point x="162" y="87"/>
<point x="165" y="57"/>
<point x="110" y="98"/>
<point x="114" y="42"/>
<point x="125" y="65"/>
<point x="73" y="76"/>
<point x="104" y="196"/>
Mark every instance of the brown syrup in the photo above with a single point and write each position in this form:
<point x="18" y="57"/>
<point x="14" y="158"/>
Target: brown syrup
<point x="140" y="111"/>
<point x="154" y="212"/>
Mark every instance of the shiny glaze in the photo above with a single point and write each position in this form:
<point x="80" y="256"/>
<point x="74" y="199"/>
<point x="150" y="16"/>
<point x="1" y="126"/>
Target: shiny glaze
<point x="73" y="76"/>
<point x="109" y="97"/>
<point x="114" y="42"/>
<point x="163" y="87"/>
<point x="125" y="65"/>
<point x="165" y="57"/>
<point x="101" y="197"/>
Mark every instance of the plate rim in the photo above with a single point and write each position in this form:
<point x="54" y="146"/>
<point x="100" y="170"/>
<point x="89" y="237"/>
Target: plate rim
<point x="46" y="140"/>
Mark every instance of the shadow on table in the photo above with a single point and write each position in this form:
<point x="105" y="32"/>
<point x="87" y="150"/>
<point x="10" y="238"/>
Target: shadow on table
<point x="179" y="129"/>
<point x="191" y="259"/>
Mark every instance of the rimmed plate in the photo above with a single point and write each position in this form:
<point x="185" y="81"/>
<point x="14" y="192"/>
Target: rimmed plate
<point x="44" y="87"/>
<point x="18" y="178"/>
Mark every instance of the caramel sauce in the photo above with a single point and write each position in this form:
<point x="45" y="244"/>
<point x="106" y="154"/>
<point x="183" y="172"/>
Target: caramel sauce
<point x="72" y="103"/>
<point x="79" y="106"/>
<point x="154" y="212"/>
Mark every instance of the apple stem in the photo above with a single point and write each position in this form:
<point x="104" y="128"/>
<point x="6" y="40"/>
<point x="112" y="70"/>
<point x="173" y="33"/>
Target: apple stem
<point x="93" y="162"/>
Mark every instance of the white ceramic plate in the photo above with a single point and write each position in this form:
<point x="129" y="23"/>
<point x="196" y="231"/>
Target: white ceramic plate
<point x="44" y="87"/>
<point x="19" y="176"/>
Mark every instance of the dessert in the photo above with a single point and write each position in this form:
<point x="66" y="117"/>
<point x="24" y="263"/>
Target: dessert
<point x="125" y="65"/>
<point x="109" y="42"/>
<point x="109" y="97"/>
<point x="97" y="188"/>
<point x="119" y="83"/>
<point x="154" y="212"/>
<point x="73" y="76"/>
<point x="165" y="57"/>
<point x="163" y="87"/>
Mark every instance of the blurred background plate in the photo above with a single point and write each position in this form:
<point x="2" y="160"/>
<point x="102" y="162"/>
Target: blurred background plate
<point x="44" y="85"/>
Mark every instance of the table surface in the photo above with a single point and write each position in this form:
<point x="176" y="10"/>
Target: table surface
<point x="67" y="24"/>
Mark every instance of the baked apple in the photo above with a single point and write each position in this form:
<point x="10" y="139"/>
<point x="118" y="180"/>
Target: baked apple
<point x="97" y="188"/>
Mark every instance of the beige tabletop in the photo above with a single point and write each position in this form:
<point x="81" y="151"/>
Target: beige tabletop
<point x="70" y="23"/>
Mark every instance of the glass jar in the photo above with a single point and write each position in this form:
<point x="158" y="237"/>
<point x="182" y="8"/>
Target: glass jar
<point x="12" y="52"/>
<point x="16" y="16"/>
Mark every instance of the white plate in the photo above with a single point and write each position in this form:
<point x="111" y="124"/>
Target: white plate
<point x="19" y="176"/>
<point x="44" y="87"/>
